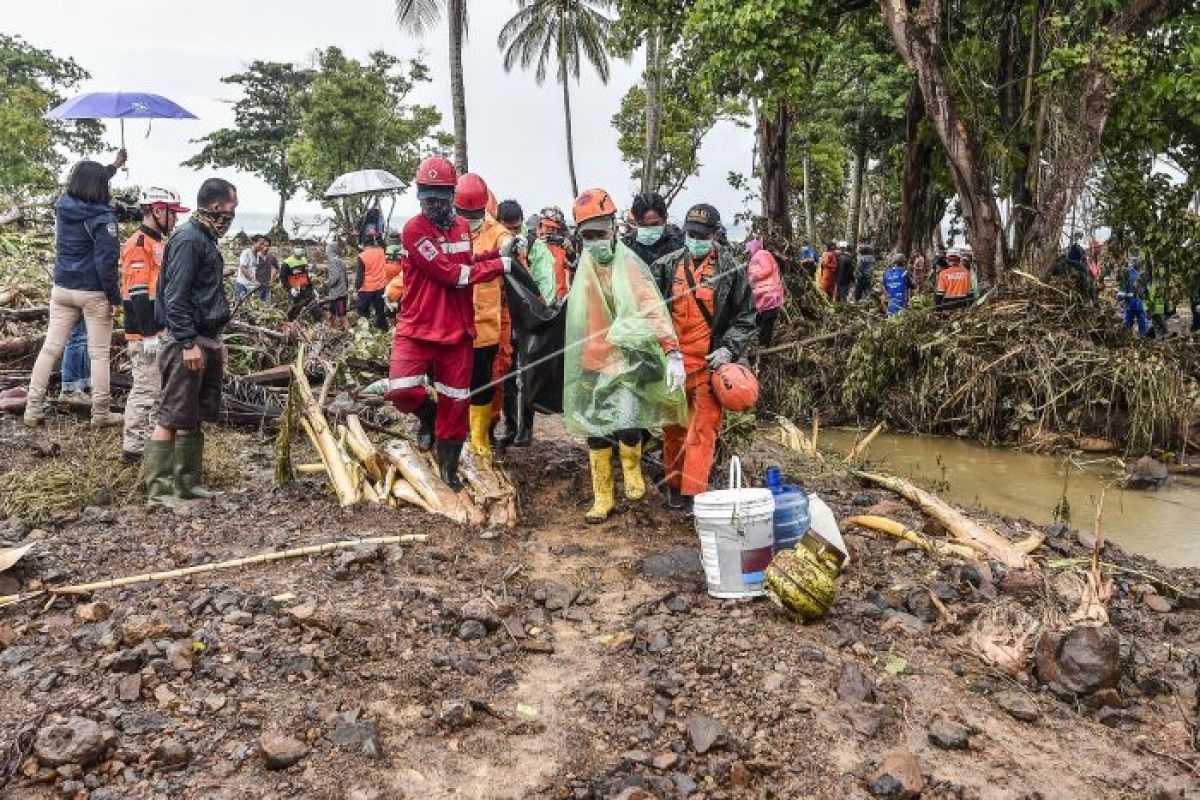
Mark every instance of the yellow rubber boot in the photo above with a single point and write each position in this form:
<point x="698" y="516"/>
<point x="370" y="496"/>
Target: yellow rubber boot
<point x="481" y="423"/>
<point x="602" y="486"/>
<point x="631" y="469"/>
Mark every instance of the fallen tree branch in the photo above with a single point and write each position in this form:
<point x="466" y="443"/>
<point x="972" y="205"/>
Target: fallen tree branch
<point x="824" y="337"/>
<point x="900" y="531"/>
<point x="245" y="561"/>
<point x="958" y="524"/>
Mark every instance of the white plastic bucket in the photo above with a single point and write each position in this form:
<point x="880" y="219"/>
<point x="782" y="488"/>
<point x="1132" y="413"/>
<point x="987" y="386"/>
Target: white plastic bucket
<point x="736" y="530"/>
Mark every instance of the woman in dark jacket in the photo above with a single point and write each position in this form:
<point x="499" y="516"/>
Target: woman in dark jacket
<point x="86" y="269"/>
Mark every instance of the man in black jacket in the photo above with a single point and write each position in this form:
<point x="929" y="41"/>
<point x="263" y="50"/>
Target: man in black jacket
<point x="653" y="238"/>
<point x="192" y="308"/>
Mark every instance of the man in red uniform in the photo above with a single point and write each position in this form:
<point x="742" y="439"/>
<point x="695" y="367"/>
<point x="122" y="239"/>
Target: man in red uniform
<point x="436" y="328"/>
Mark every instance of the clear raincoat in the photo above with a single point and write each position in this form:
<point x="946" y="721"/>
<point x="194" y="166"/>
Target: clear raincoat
<point x="617" y="334"/>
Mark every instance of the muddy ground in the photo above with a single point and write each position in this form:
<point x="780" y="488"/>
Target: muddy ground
<point x="557" y="660"/>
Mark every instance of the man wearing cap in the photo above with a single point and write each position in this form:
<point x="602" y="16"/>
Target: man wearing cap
<point x="141" y="259"/>
<point x="551" y="228"/>
<point x="436" y="326"/>
<point x="712" y="310"/>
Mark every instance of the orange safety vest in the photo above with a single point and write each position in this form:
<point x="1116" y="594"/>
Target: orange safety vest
<point x="691" y="325"/>
<point x="392" y="268"/>
<point x="374" y="274"/>
<point x="562" y="270"/>
<point x="954" y="282"/>
<point x="488" y="295"/>
<point x="141" y="259"/>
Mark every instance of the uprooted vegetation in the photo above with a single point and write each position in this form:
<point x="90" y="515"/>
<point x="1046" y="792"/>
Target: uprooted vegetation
<point x="1035" y="363"/>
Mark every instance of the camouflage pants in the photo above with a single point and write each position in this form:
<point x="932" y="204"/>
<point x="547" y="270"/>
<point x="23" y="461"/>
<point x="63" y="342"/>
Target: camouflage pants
<point x="142" y="403"/>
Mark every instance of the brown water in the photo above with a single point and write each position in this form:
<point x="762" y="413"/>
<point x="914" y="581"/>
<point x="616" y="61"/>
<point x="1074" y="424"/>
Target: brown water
<point x="1164" y="524"/>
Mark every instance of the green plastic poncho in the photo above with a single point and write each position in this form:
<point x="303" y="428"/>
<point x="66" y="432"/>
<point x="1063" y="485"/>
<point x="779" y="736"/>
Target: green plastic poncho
<point x="614" y="363"/>
<point x="541" y="267"/>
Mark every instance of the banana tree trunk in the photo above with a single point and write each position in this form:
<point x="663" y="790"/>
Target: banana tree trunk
<point x="566" y="86"/>
<point x="458" y="91"/>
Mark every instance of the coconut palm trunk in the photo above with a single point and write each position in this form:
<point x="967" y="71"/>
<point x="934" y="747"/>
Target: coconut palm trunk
<point x="570" y="136"/>
<point x="458" y="90"/>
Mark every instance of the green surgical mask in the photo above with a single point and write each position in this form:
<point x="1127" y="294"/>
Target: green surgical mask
<point x="601" y="250"/>
<point x="699" y="248"/>
<point x="649" y="234"/>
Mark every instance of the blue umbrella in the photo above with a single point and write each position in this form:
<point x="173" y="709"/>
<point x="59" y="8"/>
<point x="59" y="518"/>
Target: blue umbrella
<point x="119" y="105"/>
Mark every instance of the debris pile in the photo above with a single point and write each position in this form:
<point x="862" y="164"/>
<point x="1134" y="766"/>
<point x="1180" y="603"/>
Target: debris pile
<point x="1034" y="363"/>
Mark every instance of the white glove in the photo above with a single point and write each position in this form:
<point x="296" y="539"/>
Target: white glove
<point x="508" y="262"/>
<point x="516" y="244"/>
<point x="390" y="306"/>
<point x="676" y="374"/>
<point x="719" y="358"/>
<point x="294" y="291"/>
<point x="150" y="345"/>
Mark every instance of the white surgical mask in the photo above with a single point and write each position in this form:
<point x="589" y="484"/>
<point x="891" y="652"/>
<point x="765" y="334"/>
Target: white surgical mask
<point x="476" y="224"/>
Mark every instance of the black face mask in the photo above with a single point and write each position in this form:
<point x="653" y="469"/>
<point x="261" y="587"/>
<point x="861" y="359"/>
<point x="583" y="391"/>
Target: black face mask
<point x="438" y="211"/>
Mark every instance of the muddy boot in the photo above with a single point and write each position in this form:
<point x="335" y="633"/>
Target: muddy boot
<point x="524" y="436"/>
<point x="106" y="419"/>
<point x="158" y="475"/>
<point x="631" y="470"/>
<point x="447" y="454"/>
<point x="509" y="436"/>
<point x="426" y="416"/>
<point x="189" y="465"/>
<point x="602" y="486"/>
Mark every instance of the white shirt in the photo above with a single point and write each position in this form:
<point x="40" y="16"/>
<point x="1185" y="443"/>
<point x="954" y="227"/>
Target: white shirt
<point x="247" y="263"/>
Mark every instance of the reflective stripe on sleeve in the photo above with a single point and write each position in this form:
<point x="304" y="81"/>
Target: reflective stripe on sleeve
<point x="450" y="248"/>
<point x="451" y="392"/>
<point x="464" y="275"/>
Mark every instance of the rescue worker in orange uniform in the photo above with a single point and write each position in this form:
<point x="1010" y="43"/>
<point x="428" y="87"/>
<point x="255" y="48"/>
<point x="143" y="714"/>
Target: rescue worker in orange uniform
<point x="828" y="271"/>
<point x="488" y="236"/>
<point x="297" y="282"/>
<point x="436" y="326"/>
<point x="954" y="285"/>
<point x="141" y="259"/>
<point x="712" y="309"/>
<point x="622" y="369"/>
<point x="370" y="280"/>
<point x="552" y="229"/>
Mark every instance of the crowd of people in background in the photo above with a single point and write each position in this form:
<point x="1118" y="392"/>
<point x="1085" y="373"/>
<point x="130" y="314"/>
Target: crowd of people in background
<point x="660" y="319"/>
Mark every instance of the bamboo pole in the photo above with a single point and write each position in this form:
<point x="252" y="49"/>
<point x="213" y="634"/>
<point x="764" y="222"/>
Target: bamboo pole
<point x="317" y="428"/>
<point x="284" y="473"/>
<point x="245" y="561"/>
<point x="860" y="448"/>
<point x="816" y="430"/>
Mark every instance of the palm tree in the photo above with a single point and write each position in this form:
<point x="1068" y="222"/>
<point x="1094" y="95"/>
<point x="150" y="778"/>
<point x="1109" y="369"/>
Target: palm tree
<point x="563" y="30"/>
<point x="418" y="17"/>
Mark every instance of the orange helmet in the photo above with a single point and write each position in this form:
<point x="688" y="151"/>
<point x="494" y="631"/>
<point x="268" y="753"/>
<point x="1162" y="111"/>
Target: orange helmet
<point x="736" y="387"/>
<point x="593" y="204"/>
<point x="471" y="195"/>
<point x="436" y="171"/>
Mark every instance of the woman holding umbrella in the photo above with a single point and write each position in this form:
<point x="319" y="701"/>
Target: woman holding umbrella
<point x="86" y="283"/>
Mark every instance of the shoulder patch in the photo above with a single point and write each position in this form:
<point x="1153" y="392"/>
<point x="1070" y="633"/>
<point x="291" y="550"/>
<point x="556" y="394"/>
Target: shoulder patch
<point x="111" y="227"/>
<point x="427" y="249"/>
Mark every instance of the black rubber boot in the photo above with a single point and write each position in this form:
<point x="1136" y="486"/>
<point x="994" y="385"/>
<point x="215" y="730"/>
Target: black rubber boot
<point x="426" y="415"/>
<point x="447" y="455"/>
<point x="525" y="429"/>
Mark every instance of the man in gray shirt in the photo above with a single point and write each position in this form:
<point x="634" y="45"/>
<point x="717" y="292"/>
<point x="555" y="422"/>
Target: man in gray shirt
<point x="336" y="284"/>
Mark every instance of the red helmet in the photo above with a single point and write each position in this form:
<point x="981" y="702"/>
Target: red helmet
<point x="471" y="194"/>
<point x="436" y="171"/>
<point x="736" y="387"/>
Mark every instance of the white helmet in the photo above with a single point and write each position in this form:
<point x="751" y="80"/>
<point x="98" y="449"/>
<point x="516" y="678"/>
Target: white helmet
<point x="158" y="196"/>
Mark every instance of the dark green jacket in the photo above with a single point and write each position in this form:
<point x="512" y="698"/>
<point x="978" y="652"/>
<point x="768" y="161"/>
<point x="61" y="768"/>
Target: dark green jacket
<point x="734" y="320"/>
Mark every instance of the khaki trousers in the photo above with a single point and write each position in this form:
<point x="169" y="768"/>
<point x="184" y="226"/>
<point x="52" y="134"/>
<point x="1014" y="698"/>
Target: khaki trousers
<point x="142" y="404"/>
<point x="65" y="307"/>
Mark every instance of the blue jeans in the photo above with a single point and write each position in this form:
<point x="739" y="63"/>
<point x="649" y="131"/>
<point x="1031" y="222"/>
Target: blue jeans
<point x="76" y="363"/>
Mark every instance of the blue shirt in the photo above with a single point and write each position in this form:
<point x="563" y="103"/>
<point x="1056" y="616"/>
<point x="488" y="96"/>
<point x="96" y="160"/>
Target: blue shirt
<point x="896" y="284"/>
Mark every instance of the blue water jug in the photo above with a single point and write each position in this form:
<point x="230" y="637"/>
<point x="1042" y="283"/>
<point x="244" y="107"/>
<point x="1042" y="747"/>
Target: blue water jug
<point x="791" y="516"/>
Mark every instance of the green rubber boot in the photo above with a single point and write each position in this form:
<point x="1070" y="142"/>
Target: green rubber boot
<point x="189" y="465"/>
<point x="158" y="475"/>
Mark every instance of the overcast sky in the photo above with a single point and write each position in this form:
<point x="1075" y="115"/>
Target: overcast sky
<point x="515" y="127"/>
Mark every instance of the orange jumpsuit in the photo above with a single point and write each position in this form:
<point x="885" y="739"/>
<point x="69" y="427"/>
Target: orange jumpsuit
<point x="829" y="273"/>
<point x="493" y="327"/>
<point x="688" y="452"/>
